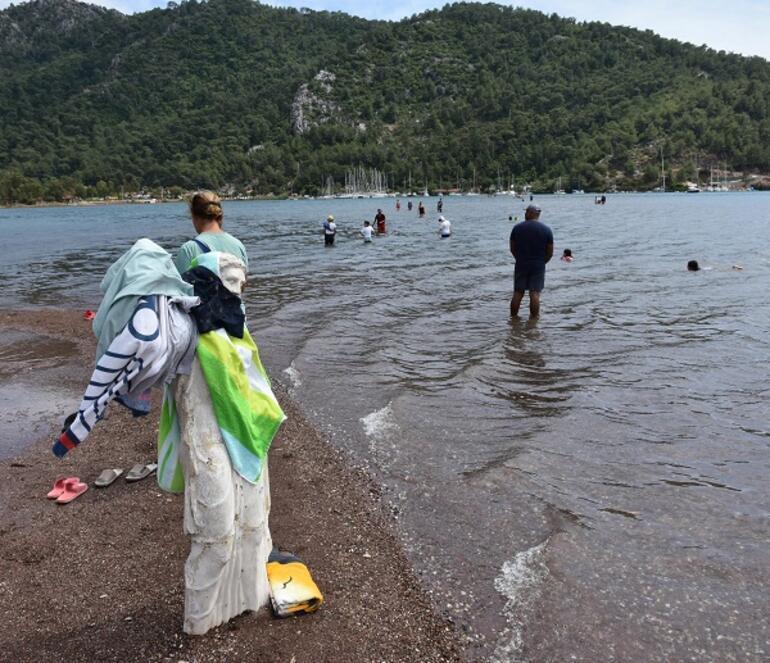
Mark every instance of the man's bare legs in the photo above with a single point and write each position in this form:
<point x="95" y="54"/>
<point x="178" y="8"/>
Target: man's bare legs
<point x="516" y="302"/>
<point x="534" y="304"/>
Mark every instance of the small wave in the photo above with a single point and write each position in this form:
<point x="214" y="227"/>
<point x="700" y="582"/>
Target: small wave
<point x="294" y="375"/>
<point x="379" y="423"/>
<point x="520" y="582"/>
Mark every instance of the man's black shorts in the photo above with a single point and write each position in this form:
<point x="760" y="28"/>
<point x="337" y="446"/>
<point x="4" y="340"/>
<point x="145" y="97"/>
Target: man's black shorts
<point x="528" y="278"/>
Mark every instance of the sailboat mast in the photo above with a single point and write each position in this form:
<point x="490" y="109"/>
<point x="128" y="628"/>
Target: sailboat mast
<point x="663" y="169"/>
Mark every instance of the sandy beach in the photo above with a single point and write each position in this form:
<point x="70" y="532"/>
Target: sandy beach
<point x="101" y="578"/>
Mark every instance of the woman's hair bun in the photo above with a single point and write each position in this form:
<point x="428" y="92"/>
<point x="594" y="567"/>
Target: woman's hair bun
<point x="206" y="205"/>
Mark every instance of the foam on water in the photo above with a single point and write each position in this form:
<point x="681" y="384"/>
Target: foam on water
<point x="380" y="423"/>
<point x="520" y="582"/>
<point x="295" y="377"/>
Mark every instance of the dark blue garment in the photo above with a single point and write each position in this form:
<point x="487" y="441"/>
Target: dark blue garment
<point x="219" y="308"/>
<point x="531" y="239"/>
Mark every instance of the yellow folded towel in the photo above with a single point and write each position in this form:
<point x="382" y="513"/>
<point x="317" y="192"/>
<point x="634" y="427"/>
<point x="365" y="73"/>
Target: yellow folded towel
<point x="292" y="589"/>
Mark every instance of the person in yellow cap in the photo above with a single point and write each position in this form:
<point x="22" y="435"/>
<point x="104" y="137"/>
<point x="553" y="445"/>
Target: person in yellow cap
<point x="330" y="230"/>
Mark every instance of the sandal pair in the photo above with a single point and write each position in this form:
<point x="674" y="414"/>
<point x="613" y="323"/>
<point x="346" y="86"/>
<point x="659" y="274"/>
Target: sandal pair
<point x="66" y="489"/>
<point x="136" y="473"/>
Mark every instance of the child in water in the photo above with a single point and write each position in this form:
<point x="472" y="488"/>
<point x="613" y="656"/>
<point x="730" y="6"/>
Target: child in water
<point x="366" y="232"/>
<point x="567" y="255"/>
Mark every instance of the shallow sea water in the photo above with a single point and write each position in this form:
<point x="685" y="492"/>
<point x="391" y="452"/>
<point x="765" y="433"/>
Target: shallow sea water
<point x="589" y="487"/>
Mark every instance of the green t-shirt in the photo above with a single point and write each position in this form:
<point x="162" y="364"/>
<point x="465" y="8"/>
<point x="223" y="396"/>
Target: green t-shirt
<point x="223" y="241"/>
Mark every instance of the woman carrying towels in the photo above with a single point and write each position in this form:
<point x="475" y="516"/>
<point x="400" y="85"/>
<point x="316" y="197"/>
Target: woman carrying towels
<point x="221" y="443"/>
<point x="187" y="334"/>
<point x="207" y="217"/>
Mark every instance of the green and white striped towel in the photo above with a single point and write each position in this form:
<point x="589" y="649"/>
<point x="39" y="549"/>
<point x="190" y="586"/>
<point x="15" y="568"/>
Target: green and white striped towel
<point x="247" y="411"/>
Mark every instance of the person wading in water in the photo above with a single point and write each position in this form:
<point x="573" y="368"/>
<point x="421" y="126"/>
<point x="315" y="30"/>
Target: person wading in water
<point x="531" y="244"/>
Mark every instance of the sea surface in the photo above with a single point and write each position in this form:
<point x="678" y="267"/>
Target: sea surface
<point x="592" y="486"/>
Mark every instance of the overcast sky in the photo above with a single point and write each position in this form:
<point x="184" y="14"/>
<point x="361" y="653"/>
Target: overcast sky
<point x="740" y="26"/>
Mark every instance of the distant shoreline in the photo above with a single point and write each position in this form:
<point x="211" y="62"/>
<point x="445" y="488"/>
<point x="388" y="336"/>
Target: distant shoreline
<point x="100" y="203"/>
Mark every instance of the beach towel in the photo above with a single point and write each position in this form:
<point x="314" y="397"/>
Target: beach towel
<point x="156" y="344"/>
<point x="292" y="589"/>
<point x="246" y="410"/>
<point x="145" y="269"/>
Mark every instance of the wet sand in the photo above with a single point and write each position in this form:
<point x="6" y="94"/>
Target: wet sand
<point x="101" y="578"/>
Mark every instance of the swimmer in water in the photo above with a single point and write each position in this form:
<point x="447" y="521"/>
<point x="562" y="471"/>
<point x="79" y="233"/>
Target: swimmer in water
<point x="567" y="255"/>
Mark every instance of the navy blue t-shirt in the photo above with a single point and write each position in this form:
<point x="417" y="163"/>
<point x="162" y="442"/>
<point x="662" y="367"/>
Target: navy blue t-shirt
<point x="531" y="238"/>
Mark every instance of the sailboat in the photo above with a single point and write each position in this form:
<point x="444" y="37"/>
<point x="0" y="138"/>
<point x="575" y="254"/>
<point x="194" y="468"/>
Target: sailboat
<point x="409" y="192"/>
<point x="473" y="191"/>
<point x="693" y="187"/>
<point x="715" y="185"/>
<point x="500" y="191"/>
<point x="559" y="191"/>
<point x="662" y="171"/>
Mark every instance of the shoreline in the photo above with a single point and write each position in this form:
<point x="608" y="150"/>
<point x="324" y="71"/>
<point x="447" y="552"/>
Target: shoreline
<point x="103" y="577"/>
<point x="276" y="198"/>
<point x="101" y="203"/>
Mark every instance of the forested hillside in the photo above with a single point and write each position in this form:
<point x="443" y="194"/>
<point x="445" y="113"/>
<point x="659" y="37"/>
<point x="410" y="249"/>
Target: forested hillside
<point x="235" y="93"/>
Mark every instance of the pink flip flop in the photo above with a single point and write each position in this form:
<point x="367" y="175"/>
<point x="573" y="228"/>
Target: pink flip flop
<point x="58" y="487"/>
<point x="72" y="488"/>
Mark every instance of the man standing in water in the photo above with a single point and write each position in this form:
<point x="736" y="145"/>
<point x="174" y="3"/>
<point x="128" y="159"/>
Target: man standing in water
<point x="330" y="230"/>
<point x="532" y="246"/>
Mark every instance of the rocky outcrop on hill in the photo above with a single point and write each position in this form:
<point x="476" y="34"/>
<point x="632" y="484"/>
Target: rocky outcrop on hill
<point x="312" y="105"/>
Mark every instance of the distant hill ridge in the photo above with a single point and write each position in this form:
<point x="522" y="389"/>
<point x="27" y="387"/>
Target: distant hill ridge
<point x="232" y="93"/>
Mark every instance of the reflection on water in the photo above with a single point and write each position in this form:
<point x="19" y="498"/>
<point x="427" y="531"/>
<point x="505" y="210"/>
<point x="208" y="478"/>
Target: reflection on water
<point x="625" y="426"/>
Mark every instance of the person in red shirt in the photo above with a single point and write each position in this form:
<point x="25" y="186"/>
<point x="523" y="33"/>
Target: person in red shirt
<point x="379" y="222"/>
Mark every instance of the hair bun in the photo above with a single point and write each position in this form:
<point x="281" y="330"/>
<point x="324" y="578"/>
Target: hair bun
<point x="206" y="205"/>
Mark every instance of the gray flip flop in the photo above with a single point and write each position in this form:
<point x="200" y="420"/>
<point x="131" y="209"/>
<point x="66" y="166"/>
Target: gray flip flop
<point x="107" y="477"/>
<point x="139" y="471"/>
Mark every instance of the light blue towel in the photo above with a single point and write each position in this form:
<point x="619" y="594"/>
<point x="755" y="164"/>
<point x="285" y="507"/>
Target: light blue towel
<point x="145" y="269"/>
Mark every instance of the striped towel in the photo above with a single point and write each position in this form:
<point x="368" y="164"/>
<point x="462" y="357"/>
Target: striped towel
<point x="247" y="411"/>
<point x="148" y="351"/>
